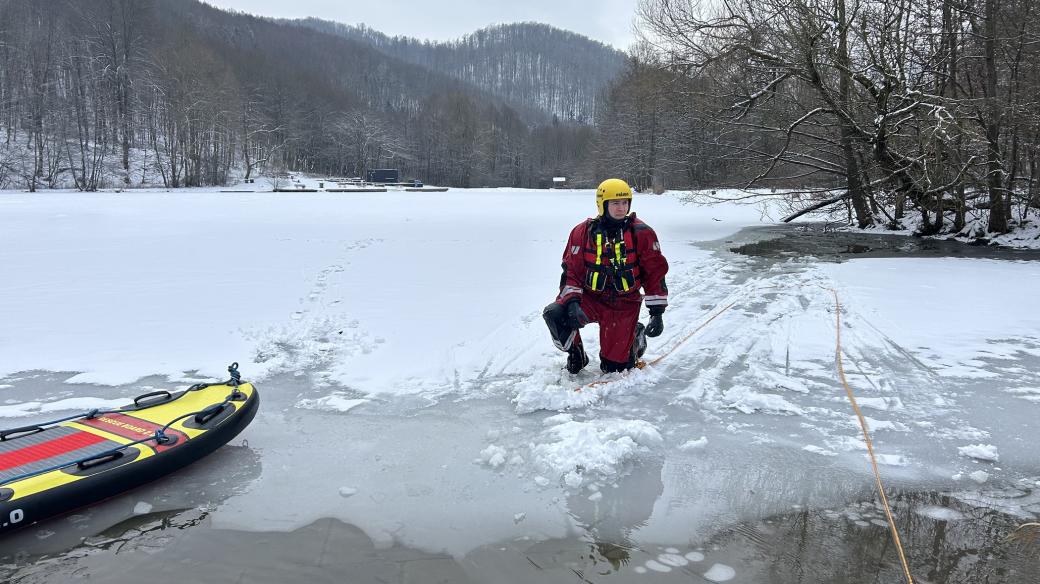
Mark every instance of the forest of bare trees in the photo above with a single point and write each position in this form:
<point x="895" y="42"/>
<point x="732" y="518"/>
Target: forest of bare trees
<point x="534" y="66"/>
<point x="121" y="93"/>
<point x="891" y="109"/>
<point x="923" y="109"/>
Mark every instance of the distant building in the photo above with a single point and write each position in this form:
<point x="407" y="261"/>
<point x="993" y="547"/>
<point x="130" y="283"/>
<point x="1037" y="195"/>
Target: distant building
<point x="384" y="175"/>
<point x="559" y="181"/>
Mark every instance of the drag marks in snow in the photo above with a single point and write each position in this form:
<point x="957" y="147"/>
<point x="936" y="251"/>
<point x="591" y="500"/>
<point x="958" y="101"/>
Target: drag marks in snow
<point x="913" y="411"/>
<point x="747" y="362"/>
<point x="1026" y="393"/>
<point x="1014" y="363"/>
<point x="553" y="389"/>
<point x="316" y="335"/>
<point x="735" y="369"/>
<point x="772" y="357"/>
<point x="766" y="368"/>
<point x="310" y="344"/>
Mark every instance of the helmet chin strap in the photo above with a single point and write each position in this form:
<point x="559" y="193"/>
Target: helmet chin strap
<point x="609" y="221"/>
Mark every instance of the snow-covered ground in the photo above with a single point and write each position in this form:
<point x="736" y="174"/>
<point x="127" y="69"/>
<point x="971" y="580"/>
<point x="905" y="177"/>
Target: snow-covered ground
<point x="410" y="388"/>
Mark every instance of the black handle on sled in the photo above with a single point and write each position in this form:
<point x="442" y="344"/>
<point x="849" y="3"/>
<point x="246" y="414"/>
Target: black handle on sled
<point x="23" y="430"/>
<point x="165" y="395"/>
<point x="209" y="413"/>
<point x="100" y="459"/>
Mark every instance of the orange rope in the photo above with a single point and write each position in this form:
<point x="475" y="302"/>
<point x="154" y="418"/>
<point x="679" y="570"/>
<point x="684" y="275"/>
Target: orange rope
<point x="670" y="351"/>
<point x="687" y="337"/>
<point x="852" y="399"/>
<point x="870" y="444"/>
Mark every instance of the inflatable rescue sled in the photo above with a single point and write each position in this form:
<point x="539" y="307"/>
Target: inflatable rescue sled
<point x="55" y="467"/>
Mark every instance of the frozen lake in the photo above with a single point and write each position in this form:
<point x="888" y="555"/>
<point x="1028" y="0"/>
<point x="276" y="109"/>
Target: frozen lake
<point x="416" y="424"/>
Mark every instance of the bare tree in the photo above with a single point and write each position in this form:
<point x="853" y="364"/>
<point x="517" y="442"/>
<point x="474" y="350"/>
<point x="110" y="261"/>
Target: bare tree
<point x="917" y="104"/>
<point x="786" y="69"/>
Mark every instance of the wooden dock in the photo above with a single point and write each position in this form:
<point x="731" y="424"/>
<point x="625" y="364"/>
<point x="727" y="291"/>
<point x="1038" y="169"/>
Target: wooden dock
<point x="355" y="190"/>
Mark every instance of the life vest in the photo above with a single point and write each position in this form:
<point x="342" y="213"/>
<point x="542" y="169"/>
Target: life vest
<point x="611" y="259"/>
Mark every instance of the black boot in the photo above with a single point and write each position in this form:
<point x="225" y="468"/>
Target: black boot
<point x="639" y="344"/>
<point x="563" y="336"/>
<point x="576" y="358"/>
<point x="608" y="366"/>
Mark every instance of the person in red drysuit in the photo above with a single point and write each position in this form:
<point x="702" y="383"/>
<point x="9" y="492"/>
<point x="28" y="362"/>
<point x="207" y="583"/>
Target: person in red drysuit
<point x="608" y="259"/>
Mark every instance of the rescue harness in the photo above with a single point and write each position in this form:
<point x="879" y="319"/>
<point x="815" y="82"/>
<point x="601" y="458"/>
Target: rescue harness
<point x="611" y="257"/>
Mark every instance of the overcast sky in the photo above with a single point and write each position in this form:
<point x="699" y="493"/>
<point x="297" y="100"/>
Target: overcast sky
<point x="608" y="21"/>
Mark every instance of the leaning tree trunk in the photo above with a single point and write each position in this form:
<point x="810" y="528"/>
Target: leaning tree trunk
<point x="853" y="175"/>
<point x="998" y="222"/>
<point x="951" y="28"/>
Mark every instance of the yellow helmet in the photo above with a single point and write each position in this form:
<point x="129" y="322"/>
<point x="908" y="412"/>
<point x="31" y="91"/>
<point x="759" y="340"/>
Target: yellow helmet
<point x="612" y="189"/>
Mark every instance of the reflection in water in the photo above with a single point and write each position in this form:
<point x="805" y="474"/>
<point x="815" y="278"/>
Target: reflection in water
<point x="804" y="240"/>
<point x="1027" y="537"/>
<point x="131" y="517"/>
<point x="611" y="514"/>
<point x="616" y="555"/>
<point x="324" y="551"/>
<point x="946" y="541"/>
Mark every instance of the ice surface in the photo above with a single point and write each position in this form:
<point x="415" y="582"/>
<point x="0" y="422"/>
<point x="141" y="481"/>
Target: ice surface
<point x="695" y="557"/>
<point x="695" y="444"/>
<point x="817" y="450"/>
<point x="980" y="452"/>
<point x="672" y="559"/>
<point x="126" y="286"/>
<point x="334" y="402"/>
<point x="979" y="476"/>
<point x="594" y="450"/>
<point x="397" y="343"/>
<point x="72" y="404"/>
<point x="941" y="513"/>
<point x="720" y="573"/>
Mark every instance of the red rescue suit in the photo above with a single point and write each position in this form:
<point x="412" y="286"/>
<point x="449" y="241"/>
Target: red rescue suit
<point x="604" y="266"/>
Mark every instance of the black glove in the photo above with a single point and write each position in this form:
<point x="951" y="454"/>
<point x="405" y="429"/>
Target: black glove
<point x="576" y="317"/>
<point x="656" y="326"/>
